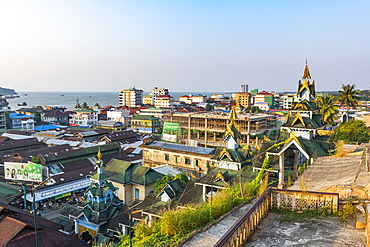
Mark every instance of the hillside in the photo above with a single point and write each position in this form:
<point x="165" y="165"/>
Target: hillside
<point x="7" y="91"/>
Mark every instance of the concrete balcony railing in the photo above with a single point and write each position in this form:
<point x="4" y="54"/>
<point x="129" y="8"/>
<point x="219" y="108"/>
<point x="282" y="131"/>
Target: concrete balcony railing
<point x="244" y="227"/>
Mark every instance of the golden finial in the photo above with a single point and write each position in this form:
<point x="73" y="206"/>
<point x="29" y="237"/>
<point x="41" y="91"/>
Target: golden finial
<point x="232" y="114"/>
<point x="99" y="155"/>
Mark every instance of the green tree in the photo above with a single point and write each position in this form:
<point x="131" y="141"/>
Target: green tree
<point x="183" y="178"/>
<point x="97" y="105"/>
<point x="327" y="108"/>
<point x="348" y="96"/>
<point x="78" y="106"/>
<point x="35" y="159"/>
<point x="85" y="106"/>
<point x="254" y="109"/>
<point x="209" y="107"/>
<point x="353" y="131"/>
<point x="159" y="184"/>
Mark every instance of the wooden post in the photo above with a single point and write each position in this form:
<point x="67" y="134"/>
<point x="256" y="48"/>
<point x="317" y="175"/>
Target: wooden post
<point x="367" y="158"/>
<point x="281" y="171"/>
<point x="248" y="130"/>
<point x="295" y="166"/>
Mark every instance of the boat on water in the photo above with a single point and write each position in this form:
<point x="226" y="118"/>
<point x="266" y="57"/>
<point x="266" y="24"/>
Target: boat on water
<point x="62" y="95"/>
<point x="22" y="103"/>
<point x="11" y="96"/>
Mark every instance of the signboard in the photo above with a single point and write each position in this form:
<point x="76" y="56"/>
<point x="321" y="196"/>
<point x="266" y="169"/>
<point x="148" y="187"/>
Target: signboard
<point x="23" y="171"/>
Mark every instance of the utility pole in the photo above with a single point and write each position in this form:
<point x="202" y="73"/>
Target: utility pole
<point x="34" y="214"/>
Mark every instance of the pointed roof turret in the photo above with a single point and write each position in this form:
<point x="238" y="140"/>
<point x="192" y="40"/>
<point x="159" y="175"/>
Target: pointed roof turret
<point x="232" y="129"/>
<point x="306" y="72"/>
<point x="306" y="87"/>
<point x="99" y="176"/>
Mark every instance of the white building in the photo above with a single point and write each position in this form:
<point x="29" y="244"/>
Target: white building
<point x="164" y="101"/>
<point x="84" y="118"/>
<point x="158" y="92"/>
<point x="264" y="106"/>
<point x="288" y="100"/>
<point x="122" y="116"/>
<point x="21" y="121"/>
<point x="156" y="112"/>
<point x="3" y="108"/>
<point x="131" y="97"/>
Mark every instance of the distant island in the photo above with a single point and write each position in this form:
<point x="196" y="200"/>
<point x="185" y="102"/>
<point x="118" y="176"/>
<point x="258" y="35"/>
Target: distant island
<point x="7" y="91"/>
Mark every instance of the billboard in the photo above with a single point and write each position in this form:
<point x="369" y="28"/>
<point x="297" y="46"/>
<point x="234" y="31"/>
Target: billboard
<point x="23" y="171"/>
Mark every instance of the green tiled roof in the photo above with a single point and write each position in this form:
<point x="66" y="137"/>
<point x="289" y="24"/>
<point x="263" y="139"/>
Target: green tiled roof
<point x="7" y="190"/>
<point x="174" y="188"/>
<point x="239" y="155"/>
<point x="313" y="123"/>
<point x="126" y="172"/>
<point x="100" y="177"/>
<point x="144" y="117"/>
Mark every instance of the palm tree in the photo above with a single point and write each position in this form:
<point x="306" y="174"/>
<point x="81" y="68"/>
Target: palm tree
<point x="348" y="96"/>
<point x="327" y="108"/>
<point x="85" y="106"/>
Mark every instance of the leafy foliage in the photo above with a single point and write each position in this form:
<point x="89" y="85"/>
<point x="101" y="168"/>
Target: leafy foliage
<point x="161" y="183"/>
<point x="253" y="109"/>
<point x="289" y="215"/>
<point x="327" y="108"/>
<point x="35" y="159"/>
<point x="348" y="96"/>
<point x="353" y="131"/>
<point x="85" y="106"/>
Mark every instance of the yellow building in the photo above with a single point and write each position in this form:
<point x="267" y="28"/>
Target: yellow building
<point x="243" y="99"/>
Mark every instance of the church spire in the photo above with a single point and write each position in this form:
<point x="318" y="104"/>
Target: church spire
<point x="99" y="163"/>
<point x="232" y="133"/>
<point x="306" y="72"/>
<point x="306" y="86"/>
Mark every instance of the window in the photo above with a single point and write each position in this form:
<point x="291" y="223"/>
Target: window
<point x="176" y="159"/>
<point x="137" y="193"/>
<point x="197" y="162"/>
<point x="166" y="157"/>
<point x="146" y="154"/>
<point x="187" y="161"/>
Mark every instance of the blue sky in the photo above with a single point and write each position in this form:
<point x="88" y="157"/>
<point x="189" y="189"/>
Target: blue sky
<point x="189" y="45"/>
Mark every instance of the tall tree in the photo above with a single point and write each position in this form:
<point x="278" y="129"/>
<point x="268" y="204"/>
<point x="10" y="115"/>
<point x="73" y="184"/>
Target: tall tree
<point x="348" y="96"/>
<point x="85" y="106"/>
<point x="78" y="106"/>
<point x="327" y="108"/>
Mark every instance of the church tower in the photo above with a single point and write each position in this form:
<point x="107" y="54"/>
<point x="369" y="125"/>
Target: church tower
<point x="306" y="86"/>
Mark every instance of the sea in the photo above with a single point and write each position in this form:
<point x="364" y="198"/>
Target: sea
<point x="69" y="99"/>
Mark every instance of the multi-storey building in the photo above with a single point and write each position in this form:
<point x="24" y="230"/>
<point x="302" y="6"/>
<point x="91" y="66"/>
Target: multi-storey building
<point x="3" y="109"/>
<point x="84" y="118"/>
<point x="207" y="128"/>
<point x="265" y="97"/>
<point x="131" y="97"/>
<point x="196" y="160"/>
<point x="21" y="121"/>
<point x="147" y="99"/>
<point x="164" y="101"/>
<point x="145" y="124"/>
<point x="288" y="100"/>
<point x="158" y="92"/>
<point x="244" y="88"/>
<point x="244" y="99"/>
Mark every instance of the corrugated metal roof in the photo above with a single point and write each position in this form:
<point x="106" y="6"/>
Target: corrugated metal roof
<point x="180" y="147"/>
<point x="9" y="228"/>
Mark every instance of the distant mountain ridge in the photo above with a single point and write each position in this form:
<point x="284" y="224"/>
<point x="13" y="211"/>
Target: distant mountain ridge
<point x="7" y="91"/>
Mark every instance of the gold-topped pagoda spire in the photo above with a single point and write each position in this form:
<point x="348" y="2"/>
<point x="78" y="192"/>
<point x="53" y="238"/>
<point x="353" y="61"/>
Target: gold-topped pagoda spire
<point x="306" y="72"/>
<point x="99" y="156"/>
